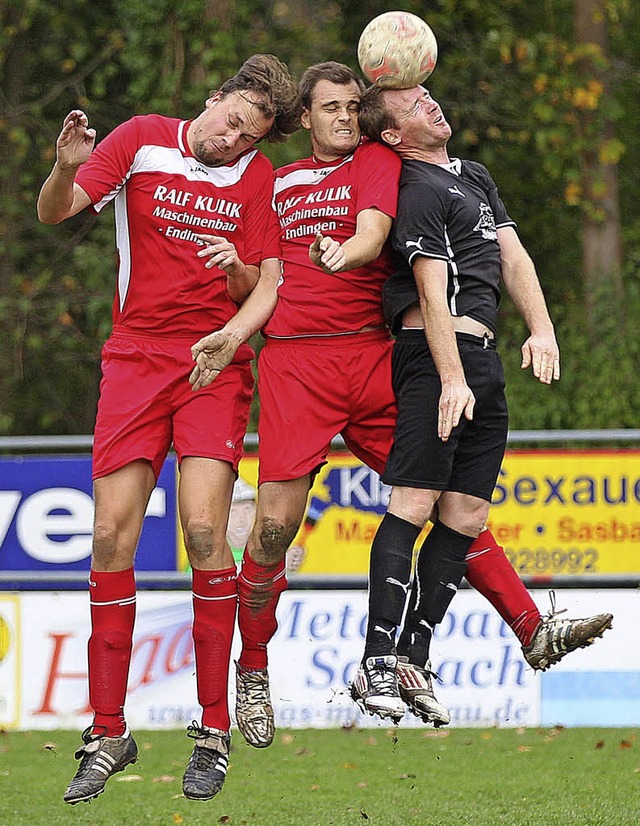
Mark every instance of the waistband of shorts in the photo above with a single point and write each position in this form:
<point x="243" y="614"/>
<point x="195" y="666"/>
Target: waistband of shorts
<point x="120" y="331"/>
<point x="334" y="340"/>
<point x="485" y="341"/>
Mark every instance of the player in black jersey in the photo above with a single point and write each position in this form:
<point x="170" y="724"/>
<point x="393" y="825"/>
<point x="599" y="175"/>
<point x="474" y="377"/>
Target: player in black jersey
<point x="454" y="243"/>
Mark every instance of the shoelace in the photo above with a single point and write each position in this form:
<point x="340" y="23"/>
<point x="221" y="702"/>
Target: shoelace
<point x="382" y="680"/>
<point x="253" y="688"/>
<point x="552" y="612"/>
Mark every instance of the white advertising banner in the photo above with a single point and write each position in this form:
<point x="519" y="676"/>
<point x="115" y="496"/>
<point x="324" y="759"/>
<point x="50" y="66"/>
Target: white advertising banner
<point x="313" y="658"/>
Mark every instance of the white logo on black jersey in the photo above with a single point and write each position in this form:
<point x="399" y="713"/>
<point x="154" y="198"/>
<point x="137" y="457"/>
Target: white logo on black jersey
<point x="486" y="224"/>
<point x="455" y="191"/>
<point x="417" y="244"/>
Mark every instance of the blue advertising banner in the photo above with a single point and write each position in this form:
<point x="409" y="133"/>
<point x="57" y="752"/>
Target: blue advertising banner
<point x="46" y="516"/>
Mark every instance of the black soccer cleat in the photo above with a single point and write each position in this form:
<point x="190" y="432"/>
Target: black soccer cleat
<point x="100" y="757"/>
<point x="207" y="768"/>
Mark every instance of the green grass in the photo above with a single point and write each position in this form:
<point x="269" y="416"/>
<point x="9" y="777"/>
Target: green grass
<point x="528" y="777"/>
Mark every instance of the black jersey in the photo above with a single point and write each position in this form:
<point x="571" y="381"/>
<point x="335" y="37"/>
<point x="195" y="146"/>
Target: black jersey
<point x="451" y="214"/>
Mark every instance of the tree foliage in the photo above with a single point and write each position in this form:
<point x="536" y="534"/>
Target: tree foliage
<point x="524" y="96"/>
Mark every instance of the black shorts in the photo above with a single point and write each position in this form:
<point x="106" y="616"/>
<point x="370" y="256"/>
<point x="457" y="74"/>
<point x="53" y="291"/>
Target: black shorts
<point x="469" y="462"/>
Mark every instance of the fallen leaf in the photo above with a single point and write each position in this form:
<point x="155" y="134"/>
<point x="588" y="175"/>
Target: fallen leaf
<point x="599" y="744"/>
<point x="315" y="787"/>
<point x="225" y="819"/>
<point x="366" y="785"/>
<point x="303" y="751"/>
<point x="349" y="766"/>
<point x="177" y="818"/>
<point x="405" y="776"/>
<point x="164" y="778"/>
<point x="626" y="744"/>
<point x="371" y="741"/>
<point x="286" y="739"/>
<point x="129" y="778"/>
<point x="524" y="748"/>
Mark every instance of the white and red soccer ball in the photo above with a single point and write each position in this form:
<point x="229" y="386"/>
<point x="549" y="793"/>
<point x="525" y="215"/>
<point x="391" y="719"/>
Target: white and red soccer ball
<point x="397" y="50"/>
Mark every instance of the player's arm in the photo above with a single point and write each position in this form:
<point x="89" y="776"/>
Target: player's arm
<point x="60" y="197"/>
<point x="372" y="229"/>
<point x="456" y="397"/>
<point x="215" y="351"/>
<point x="540" y="350"/>
<point x="222" y="253"/>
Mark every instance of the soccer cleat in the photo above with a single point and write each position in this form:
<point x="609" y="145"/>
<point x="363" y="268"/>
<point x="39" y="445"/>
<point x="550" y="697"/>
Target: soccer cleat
<point x="100" y="757"/>
<point x="416" y="689"/>
<point x="556" y="637"/>
<point x="207" y="768"/>
<point x="375" y="688"/>
<point x="254" y="712"/>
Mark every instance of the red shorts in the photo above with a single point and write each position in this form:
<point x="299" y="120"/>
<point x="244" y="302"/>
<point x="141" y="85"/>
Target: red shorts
<point x="313" y="389"/>
<point x="146" y="403"/>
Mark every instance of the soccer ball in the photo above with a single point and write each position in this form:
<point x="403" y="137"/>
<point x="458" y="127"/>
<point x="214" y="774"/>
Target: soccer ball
<point x="397" y="50"/>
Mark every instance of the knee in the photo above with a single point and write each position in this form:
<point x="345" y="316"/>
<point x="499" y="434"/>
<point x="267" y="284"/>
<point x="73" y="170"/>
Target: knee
<point x="201" y="542"/>
<point x="105" y="546"/>
<point x="271" y="539"/>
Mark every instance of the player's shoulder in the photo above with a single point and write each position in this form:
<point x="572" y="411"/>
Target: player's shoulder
<point x="374" y="152"/>
<point x="152" y="129"/>
<point x="260" y="162"/>
<point x="476" y="171"/>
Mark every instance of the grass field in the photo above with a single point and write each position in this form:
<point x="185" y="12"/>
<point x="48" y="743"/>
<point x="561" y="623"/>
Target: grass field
<point x="401" y="777"/>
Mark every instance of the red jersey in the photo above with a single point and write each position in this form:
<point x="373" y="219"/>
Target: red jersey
<point x="314" y="196"/>
<point x="164" y="196"/>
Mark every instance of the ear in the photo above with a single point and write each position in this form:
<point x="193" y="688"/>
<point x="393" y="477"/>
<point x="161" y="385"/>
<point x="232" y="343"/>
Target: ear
<point x="211" y="101"/>
<point x="305" y="119"/>
<point x="391" y="136"/>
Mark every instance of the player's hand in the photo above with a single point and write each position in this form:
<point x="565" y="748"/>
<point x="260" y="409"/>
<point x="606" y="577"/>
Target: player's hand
<point x="327" y="253"/>
<point x="221" y="253"/>
<point x="456" y="398"/>
<point x="211" y="355"/>
<point x="542" y="354"/>
<point x="75" y="142"/>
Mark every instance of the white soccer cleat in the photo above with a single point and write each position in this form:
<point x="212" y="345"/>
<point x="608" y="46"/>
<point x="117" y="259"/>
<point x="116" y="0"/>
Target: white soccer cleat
<point x="375" y="688"/>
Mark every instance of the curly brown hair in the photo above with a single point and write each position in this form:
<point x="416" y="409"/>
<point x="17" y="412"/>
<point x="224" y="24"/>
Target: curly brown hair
<point x="276" y="90"/>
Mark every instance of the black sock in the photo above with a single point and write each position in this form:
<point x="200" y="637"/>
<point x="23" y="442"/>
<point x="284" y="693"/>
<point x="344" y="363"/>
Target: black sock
<point x="389" y="578"/>
<point x="439" y="571"/>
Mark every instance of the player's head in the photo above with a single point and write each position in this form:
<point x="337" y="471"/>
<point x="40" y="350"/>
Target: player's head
<point x="407" y="120"/>
<point x="330" y="96"/>
<point x="259" y="102"/>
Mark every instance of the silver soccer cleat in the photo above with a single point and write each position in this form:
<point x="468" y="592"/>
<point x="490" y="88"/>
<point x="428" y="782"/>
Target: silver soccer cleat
<point x="554" y="638"/>
<point x="416" y="689"/>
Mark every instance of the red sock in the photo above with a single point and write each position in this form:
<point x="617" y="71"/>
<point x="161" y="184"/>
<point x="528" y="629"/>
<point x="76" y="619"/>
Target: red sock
<point x="215" y="599"/>
<point x="259" y="589"/>
<point x="491" y="574"/>
<point x="113" y="612"/>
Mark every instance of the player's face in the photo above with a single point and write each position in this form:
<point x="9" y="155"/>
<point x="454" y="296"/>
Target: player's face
<point x="227" y="127"/>
<point x="333" y="119"/>
<point x="419" y="117"/>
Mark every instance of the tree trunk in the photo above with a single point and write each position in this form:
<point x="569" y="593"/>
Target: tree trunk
<point x="602" y="246"/>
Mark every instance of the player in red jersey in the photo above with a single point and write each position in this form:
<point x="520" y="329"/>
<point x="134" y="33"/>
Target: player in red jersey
<point x="193" y="218"/>
<point x="326" y="369"/>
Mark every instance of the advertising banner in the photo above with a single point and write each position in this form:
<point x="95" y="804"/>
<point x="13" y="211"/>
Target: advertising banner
<point x="46" y="516"/>
<point x="569" y="511"/>
<point x="556" y="512"/>
<point x="483" y="678"/>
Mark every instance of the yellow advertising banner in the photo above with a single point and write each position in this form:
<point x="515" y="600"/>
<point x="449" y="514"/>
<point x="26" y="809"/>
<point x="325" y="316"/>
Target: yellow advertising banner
<point x="554" y="511"/>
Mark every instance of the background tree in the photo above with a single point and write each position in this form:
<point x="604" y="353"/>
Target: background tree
<point x="543" y="93"/>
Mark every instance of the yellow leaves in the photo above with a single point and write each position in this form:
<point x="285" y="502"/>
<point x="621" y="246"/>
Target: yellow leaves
<point x="588" y="97"/>
<point x="573" y="193"/>
<point x="611" y="151"/>
<point x="67" y="65"/>
<point x="540" y="83"/>
<point x="177" y="818"/>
